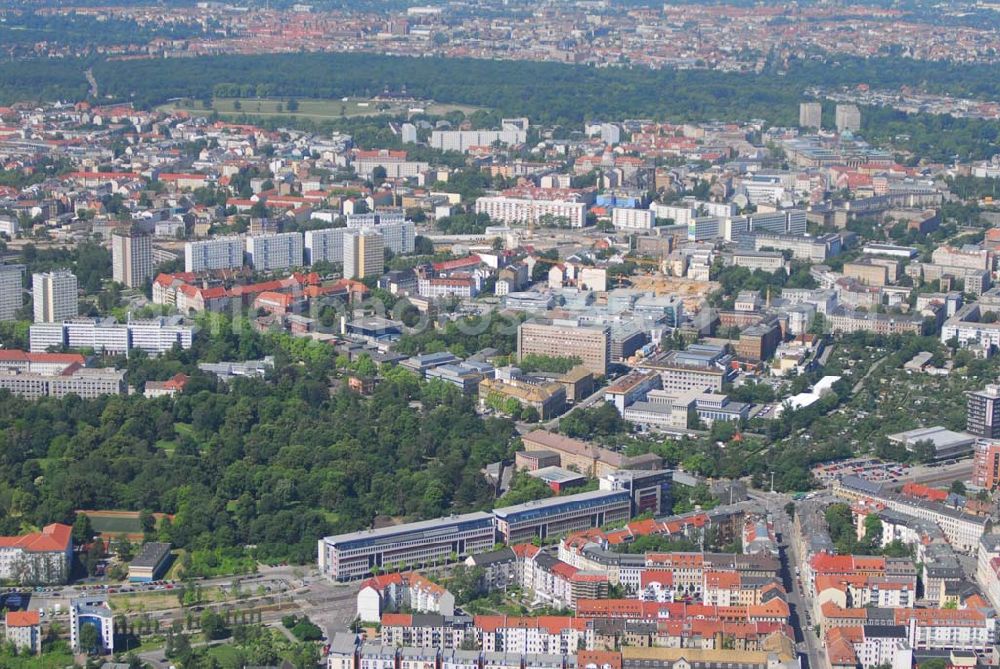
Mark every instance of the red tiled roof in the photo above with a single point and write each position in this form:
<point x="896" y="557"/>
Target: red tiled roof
<point x="14" y="355"/>
<point x="22" y="618"/>
<point x="52" y="538"/>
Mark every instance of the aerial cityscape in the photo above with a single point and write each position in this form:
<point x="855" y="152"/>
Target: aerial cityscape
<point x="494" y="334"/>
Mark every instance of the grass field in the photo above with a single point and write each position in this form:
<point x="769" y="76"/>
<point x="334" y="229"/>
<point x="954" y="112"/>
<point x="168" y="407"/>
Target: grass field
<point x="315" y="109"/>
<point x="144" y="601"/>
<point x="115" y="522"/>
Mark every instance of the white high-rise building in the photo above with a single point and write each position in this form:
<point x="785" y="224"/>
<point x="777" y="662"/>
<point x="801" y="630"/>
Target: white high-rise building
<point x="211" y="254"/>
<point x="848" y="117"/>
<point x="132" y="258"/>
<point x="275" y="251"/>
<point x="364" y="253"/>
<point x="398" y="234"/>
<point x="810" y="115"/>
<point x="409" y="133"/>
<point x="325" y="245"/>
<point x="54" y="295"/>
<point x="11" y="293"/>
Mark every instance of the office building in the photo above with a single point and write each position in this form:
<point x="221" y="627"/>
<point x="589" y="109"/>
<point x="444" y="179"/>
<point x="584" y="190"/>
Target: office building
<point x="758" y="342"/>
<point x="34" y="375"/>
<point x="548" y="518"/>
<point x="38" y="557"/>
<point x="269" y="252"/>
<point x="814" y="249"/>
<point x="83" y="382"/>
<point x="93" y="611"/>
<point x="848" y="118"/>
<point x="811" y="115"/>
<point x="364" y="254"/>
<point x="11" y="292"/>
<point x="767" y="261"/>
<point x="588" y="459"/>
<point x="983" y="412"/>
<point x="548" y="398"/>
<point x="590" y="343"/>
<point x="698" y="367"/>
<point x="986" y="464"/>
<point x="213" y="254"/>
<point x="324" y="246"/>
<point x="132" y="258"/>
<point x="348" y="557"/>
<point x="54" y="295"/>
<point x="649" y="490"/>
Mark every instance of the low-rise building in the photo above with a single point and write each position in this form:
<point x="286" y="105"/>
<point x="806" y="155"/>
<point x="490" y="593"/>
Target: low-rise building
<point x="392" y="592"/>
<point x="23" y="629"/>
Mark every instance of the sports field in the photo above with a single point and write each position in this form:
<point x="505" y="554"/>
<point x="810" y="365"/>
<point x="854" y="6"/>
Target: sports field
<point x="315" y="109"/>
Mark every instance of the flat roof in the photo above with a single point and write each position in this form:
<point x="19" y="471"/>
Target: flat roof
<point x="556" y="475"/>
<point x="151" y="555"/>
<point x="552" y="502"/>
<point x="427" y="527"/>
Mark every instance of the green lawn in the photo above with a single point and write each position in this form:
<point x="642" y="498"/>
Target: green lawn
<point x="167" y="445"/>
<point x="315" y="108"/>
<point x="226" y="655"/>
<point x="53" y="660"/>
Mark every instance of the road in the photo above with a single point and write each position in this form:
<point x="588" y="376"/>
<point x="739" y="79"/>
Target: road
<point x="960" y="471"/>
<point x="807" y="643"/>
<point x="92" y="82"/>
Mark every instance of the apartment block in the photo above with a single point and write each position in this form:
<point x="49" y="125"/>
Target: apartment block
<point x="983" y="412"/>
<point x="526" y="211"/>
<point x="398" y="234"/>
<point x="632" y="219"/>
<point x="38" y="557"/>
<point x="810" y="115"/>
<point x="11" y="292"/>
<point x="54" y="296"/>
<point x="364" y="253"/>
<point x="214" y="254"/>
<point x="324" y="245"/>
<point x="270" y="252"/>
<point x="464" y="140"/>
<point x="132" y="258"/>
<point x="847" y="118"/>
<point x="390" y="592"/>
<point x="986" y="464"/>
<point x="592" y="344"/>
<point x="23" y="629"/>
<point x="106" y="336"/>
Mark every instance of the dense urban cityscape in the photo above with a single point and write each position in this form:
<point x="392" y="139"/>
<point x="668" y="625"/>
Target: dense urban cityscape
<point x="596" y="334"/>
